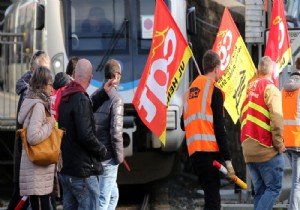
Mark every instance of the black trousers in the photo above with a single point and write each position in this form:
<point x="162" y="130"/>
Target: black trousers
<point x="209" y="178"/>
<point x="41" y="202"/>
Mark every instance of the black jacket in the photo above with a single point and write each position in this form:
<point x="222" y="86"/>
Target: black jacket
<point x="81" y="150"/>
<point x="109" y="125"/>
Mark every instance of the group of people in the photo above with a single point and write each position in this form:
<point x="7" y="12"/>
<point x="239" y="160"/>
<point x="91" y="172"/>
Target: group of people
<point x="270" y="125"/>
<point x="92" y="147"/>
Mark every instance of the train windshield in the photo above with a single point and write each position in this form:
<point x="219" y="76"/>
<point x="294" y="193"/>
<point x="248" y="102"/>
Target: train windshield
<point x="94" y="24"/>
<point x="120" y="29"/>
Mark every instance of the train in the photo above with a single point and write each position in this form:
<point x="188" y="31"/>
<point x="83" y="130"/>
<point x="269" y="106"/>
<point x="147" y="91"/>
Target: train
<point x="96" y="30"/>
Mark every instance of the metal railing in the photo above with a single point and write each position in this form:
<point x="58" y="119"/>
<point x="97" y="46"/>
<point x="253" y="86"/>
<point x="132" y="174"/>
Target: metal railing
<point x="11" y="69"/>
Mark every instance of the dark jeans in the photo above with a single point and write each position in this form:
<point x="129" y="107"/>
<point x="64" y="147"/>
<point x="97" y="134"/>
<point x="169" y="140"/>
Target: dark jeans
<point x="209" y="178"/>
<point x="267" y="181"/>
<point x="80" y="193"/>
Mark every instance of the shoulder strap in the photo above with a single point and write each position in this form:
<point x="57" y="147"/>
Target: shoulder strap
<point x="48" y="114"/>
<point x="30" y="112"/>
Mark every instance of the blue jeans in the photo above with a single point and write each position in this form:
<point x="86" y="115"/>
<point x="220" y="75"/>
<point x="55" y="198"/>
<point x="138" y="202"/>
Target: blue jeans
<point x="109" y="192"/>
<point x="294" y="158"/>
<point x="80" y="193"/>
<point x="267" y="179"/>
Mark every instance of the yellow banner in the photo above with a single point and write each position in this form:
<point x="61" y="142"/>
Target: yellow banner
<point x="235" y="79"/>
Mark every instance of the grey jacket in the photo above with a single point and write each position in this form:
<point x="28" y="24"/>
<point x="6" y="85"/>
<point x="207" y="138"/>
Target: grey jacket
<point x="109" y="125"/>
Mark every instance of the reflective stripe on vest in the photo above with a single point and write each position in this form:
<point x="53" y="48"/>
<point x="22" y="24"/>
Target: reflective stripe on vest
<point x="255" y="115"/>
<point x="291" y="116"/>
<point x="254" y="119"/>
<point x="199" y="123"/>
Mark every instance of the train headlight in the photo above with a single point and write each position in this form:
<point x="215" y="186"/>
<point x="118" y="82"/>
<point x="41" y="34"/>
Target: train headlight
<point x="58" y="63"/>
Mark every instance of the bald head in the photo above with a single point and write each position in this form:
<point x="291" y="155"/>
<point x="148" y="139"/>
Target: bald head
<point x="83" y="72"/>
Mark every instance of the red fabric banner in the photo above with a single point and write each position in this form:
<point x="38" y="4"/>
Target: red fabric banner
<point x="278" y="44"/>
<point x="165" y="66"/>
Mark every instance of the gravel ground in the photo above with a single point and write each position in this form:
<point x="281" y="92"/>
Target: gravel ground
<point x="183" y="193"/>
<point x="186" y="193"/>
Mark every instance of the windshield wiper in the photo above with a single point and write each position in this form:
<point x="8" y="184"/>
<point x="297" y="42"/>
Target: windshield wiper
<point x="112" y="44"/>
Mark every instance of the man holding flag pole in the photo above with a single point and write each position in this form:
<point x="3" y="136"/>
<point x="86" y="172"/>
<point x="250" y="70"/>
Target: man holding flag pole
<point x="204" y="125"/>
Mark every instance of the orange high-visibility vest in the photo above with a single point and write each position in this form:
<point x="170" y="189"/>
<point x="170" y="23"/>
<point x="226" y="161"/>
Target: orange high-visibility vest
<point x="291" y="116"/>
<point x="198" y="117"/>
<point x="255" y="114"/>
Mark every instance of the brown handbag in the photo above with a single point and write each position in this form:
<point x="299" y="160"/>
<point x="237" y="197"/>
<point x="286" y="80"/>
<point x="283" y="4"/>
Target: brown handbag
<point x="48" y="151"/>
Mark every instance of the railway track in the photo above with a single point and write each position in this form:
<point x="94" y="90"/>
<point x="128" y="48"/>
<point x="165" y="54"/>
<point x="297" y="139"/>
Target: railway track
<point x="144" y="197"/>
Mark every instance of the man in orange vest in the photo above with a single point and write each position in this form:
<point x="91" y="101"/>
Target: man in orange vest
<point x="261" y="136"/>
<point x="204" y="126"/>
<point x="291" y="131"/>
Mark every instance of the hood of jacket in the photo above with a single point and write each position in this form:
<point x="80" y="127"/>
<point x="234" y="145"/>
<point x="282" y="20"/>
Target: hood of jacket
<point x="72" y="88"/>
<point x="22" y="83"/>
<point x="26" y="107"/>
<point x="293" y="82"/>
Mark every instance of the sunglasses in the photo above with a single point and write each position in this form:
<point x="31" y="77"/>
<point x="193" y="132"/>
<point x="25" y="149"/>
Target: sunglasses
<point x="37" y="54"/>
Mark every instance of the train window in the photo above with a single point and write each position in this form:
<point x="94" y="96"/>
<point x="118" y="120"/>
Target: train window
<point x="292" y="13"/>
<point x="146" y="9"/>
<point x="95" y="24"/>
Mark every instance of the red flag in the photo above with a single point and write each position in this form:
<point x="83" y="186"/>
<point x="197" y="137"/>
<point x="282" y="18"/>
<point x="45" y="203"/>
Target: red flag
<point x="278" y="45"/>
<point x="165" y="66"/>
<point x="236" y="67"/>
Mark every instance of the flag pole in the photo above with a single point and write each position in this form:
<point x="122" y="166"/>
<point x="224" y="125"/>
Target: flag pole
<point x="196" y="64"/>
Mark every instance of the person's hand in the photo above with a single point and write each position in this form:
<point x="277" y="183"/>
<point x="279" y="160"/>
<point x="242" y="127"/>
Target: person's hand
<point x="109" y="84"/>
<point x="230" y="170"/>
<point x="51" y="120"/>
<point x="282" y="149"/>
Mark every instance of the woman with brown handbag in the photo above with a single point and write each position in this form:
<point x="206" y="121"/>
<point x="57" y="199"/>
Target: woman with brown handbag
<point x="37" y="181"/>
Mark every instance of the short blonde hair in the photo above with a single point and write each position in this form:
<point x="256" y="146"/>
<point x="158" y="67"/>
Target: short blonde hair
<point x="39" y="58"/>
<point x="265" y="66"/>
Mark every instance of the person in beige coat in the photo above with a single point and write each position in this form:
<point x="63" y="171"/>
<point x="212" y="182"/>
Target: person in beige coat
<point x="36" y="181"/>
